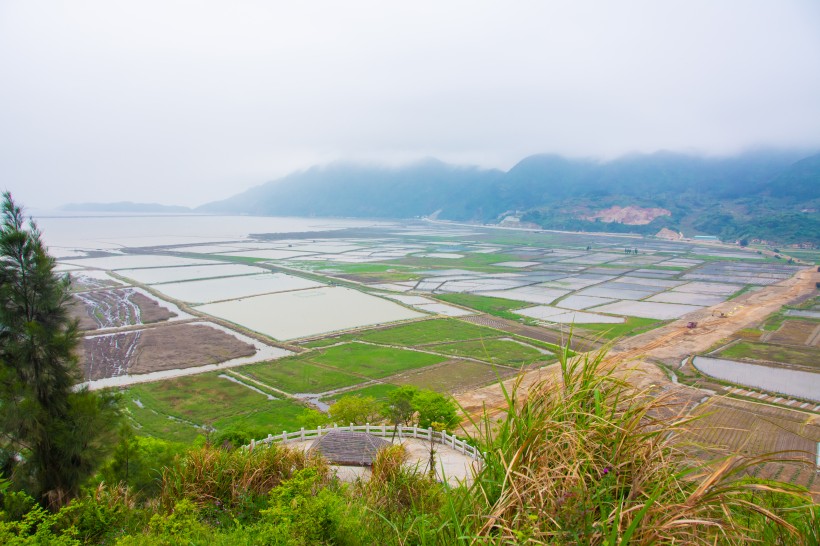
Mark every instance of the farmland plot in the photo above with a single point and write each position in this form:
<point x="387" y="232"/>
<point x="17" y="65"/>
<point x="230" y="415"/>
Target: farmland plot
<point x="134" y="261"/>
<point x="796" y="332"/>
<point x="562" y="316"/>
<point x="687" y="298"/>
<point x="157" y="349"/>
<point x="91" y="279"/>
<point x="529" y="294"/>
<point x="172" y="274"/>
<point x="797" y="383"/>
<point x="117" y="308"/>
<point x="647" y="309"/>
<point x="231" y="288"/>
<point x="302" y="313"/>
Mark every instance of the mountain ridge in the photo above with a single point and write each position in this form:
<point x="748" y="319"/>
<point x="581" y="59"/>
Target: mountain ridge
<point x="766" y="195"/>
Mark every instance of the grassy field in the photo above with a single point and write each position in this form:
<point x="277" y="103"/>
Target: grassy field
<point x="179" y="409"/>
<point x="498" y="307"/>
<point x="811" y="256"/>
<point x="371" y="361"/>
<point x="298" y="375"/>
<point x="774" y="353"/>
<point x="631" y="326"/>
<point x="496" y="351"/>
<point x="378" y="391"/>
<point x="416" y="333"/>
<point x="453" y="376"/>
<point x="471" y="260"/>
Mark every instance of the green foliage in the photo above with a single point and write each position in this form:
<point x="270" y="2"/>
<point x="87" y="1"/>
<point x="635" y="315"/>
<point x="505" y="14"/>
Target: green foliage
<point x="138" y="461"/>
<point x="60" y="435"/>
<point x="434" y="407"/>
<point x="237" y="479"/>
<point x="35" y="528"/>
<point x="311" y="419"/>
<point x="355" y="409"/>
<point x="399" y="408"/>
<point x="304" y="511"/>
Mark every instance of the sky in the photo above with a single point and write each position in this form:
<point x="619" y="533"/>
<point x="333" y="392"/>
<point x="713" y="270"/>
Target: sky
<point x="186" y="102"/>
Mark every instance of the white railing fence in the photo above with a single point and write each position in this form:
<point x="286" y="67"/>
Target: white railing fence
<point x="400" y="432"/>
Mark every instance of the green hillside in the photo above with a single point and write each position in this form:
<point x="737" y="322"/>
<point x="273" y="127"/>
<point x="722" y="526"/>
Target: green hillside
<point x="766" y="195"/>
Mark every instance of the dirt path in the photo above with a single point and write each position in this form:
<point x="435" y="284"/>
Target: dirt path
<point x="672" y="342"/>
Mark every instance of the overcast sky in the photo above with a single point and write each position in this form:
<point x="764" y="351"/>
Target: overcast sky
<point x="184" y="102"/>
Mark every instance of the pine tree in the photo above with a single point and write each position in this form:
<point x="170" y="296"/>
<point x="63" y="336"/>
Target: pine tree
<point x="53" y="437"/>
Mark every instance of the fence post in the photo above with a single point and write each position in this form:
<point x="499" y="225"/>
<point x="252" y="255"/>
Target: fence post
<point x="384" y="430"/>
<point x="319" y="431"/>
<point x="253" y="444"/>
<point x="350" y="427"/>
<point x="367" y="428"/>
<point x="400" y="431"/>
<point x="302" y="437"/>
<point x="284" y="436"/>
<point x="430" y="433"/>
<point x="270" y="439"/>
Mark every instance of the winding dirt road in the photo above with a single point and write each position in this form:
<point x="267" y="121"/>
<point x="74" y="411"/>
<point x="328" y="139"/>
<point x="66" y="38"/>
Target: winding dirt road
<point x="670" y="343"/>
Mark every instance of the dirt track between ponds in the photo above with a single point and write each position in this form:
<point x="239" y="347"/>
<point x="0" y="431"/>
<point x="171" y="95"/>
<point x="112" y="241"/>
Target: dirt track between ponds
<point x="672" y="342"/>
<point x="156" y="349"/>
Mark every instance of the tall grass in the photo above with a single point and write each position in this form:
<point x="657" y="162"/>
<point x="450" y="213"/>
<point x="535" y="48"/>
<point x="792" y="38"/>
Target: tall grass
<point x="586" y="458"/>
<point x="211" y="475"/>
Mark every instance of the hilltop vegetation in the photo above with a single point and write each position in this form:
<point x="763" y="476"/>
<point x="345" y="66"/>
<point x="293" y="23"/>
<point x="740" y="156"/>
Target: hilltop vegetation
<point x="758" y="195"/>
<point x="585" y="459"/>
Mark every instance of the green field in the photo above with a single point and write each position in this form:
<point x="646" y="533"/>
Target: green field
<point x="498" y="307"/>
<point x="372" y="361"/>
<point x="378" y="391"/>
<point x="175" y="409"/>
<point x="774" y="353"/>
<point x="298" y="375"/>
<point x="453" y="375"/>
<point x="417" y="333"/>
<point x="471" y="260"/>
<point x="811" y="256"/>
<point x="631" y="326"/>
<point x="496" y="351"/>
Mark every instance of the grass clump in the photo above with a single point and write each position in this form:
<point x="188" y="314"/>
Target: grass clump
<point x="210" y="476"/>
<point x="585" y="458"/>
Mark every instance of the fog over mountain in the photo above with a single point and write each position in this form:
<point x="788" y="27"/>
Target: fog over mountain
<point x="160" y="102"/>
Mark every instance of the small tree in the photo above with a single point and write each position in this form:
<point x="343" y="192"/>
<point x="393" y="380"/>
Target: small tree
<point x="57" y="436"/>
<point x="434" y="407"/>
<point x="399" y="408"/>
<point x="355" y="409"/>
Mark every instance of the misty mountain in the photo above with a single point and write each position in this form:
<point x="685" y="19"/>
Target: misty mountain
<point x="763" y="194"/>
<point x="346" y="189"/>
<point x="123" y="206"/>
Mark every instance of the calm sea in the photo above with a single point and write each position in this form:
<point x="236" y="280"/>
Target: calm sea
<point x="108" y="231"/>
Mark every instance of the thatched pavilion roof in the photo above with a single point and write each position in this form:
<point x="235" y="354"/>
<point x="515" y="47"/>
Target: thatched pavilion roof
<point x="346" y="448"/>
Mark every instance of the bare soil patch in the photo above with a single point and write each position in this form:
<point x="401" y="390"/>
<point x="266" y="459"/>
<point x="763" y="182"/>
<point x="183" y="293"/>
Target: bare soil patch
<point x="156" y="349"/>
